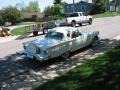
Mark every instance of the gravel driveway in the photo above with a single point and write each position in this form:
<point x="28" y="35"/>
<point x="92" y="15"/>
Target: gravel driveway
<point x="18" y="72"/>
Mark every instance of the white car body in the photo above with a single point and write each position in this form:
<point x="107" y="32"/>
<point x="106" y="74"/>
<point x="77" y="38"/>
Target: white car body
<point x="77" y="17"/>
<point x="58" y="41"/>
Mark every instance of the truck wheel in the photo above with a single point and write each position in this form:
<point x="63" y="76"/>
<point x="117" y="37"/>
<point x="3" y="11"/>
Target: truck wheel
<point x="65" y="55"/>
<point x="35" y="33"/>
<point x="90" y="21"/>
<point x="45" y="31"/>
<point x="73" y="24"/>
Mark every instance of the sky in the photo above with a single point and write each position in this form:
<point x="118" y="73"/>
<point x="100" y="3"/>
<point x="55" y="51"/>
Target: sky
<point x="42" y="3"/>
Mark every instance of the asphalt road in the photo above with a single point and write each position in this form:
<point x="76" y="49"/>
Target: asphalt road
<point x="18" y="72"/>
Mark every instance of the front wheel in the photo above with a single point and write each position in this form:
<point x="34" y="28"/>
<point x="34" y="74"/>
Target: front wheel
<point x="45" y="31"/>
<point x="95" y="41"/>
<point x="65" y="55"/>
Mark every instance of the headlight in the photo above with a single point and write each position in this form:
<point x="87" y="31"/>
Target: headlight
<point x="25" y="45"/>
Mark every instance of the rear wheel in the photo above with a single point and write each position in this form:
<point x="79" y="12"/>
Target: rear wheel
<point x="90" y="21"/>
<point x="73" y="24"/>
<point x="65" y="55"/>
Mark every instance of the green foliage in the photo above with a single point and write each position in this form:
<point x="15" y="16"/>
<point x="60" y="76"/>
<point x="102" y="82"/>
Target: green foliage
<point x="56" y="9"/>
<point x="18" y="31"/>
<point x="32" y="7"/>
<point x="57" y="1"/>
<point x="48" y="11"/>
<point x="11" y="14"/>
<point x="1" y="20"/>
<point x="98" y="7"/>
<point x="53" y="11"/>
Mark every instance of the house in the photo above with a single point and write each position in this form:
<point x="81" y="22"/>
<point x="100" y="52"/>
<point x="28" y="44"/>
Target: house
<point x="82" y="6"/>
<point x="31" y="16"/>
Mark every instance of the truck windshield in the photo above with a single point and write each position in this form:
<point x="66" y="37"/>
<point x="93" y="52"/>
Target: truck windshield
<point x="54" y="35"/>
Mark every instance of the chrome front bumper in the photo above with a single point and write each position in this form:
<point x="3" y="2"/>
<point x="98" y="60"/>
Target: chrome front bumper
<point x="32" y="56"/>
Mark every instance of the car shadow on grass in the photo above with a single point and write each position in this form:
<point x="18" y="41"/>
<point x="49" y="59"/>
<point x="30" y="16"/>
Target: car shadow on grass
<point x="16" y="69"/>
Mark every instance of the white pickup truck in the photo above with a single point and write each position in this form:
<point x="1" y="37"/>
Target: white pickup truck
<point x="75" y="18"/>
<point x="59" y="41"/>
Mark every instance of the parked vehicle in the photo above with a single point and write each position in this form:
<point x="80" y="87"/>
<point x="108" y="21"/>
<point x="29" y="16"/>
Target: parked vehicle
<point x="75" y="18"/>
<point x="59" y="41"/>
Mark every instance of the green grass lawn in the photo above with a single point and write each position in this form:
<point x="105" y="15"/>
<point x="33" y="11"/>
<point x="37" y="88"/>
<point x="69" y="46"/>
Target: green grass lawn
<point x="101" y="73"/>
<point x="106" y="14"/>
<point x="18" y="31"/>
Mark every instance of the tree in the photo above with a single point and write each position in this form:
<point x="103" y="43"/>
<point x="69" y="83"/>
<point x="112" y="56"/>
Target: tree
<point x="98" y="7"/>
<point x="48" y="11"/>
<point x="52" y="10"/>
<point x="1" y="20"/>
<point x="116" y="4"/>
<point x="11" y="14"/>
<point x="56" y="9"/>
<point x="32" y="7"/>
<point x="57" y="1"/>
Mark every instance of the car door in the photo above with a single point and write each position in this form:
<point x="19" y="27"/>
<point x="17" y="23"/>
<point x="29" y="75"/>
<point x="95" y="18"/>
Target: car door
<point x="76" y="40"/>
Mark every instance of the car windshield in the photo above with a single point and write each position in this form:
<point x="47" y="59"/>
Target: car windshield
<point x="54" y="35"/>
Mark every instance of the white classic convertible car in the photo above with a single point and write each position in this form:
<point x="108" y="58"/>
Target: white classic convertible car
<point x="59" y="41"/>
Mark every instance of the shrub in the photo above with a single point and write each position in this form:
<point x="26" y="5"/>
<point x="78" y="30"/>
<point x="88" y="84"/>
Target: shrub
<point x="1" y="20"/>
<point x="98" y="7"/>
<point x="11" y="14"/>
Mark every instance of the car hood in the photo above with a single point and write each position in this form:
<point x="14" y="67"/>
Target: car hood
<point x="45" y="42"/>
